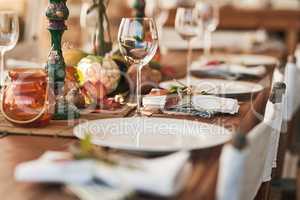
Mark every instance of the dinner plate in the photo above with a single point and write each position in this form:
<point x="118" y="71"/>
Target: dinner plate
<point x="217" y="87"/>
<point x="152" y="134"/>
<point x="248" y="59"/>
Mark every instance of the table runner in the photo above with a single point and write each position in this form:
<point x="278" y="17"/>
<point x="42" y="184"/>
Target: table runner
<point x="61" y="128"/>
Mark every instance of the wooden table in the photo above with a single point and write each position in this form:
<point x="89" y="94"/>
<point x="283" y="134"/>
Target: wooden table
<point x="17" y="149"/>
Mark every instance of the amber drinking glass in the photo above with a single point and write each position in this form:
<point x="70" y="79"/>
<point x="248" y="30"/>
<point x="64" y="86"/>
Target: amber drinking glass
<point x="26" y="98"/>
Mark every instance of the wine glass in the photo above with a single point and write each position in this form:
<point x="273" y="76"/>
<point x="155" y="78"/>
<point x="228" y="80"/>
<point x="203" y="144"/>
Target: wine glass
<point x="9" y="35"/>
<point x="186" y="26"/>
<point x="159" y="10"/>
<point x="208" y="14"/>
<point x="138" y="42"/>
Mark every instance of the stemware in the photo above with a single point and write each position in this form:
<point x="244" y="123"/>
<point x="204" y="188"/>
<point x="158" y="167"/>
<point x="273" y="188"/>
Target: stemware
<point x="159" y="11"/>
<point x="208" y="14"/>
<point x="9" y="35"/>
<point x="186" y="26"/>
<point x="138" y="42"/>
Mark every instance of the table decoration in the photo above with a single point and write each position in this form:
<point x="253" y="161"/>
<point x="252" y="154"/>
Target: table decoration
<point x="95" y="86"/>
<point x="89" y="81"/>
<point x="27" y="99"/>
<point x="105" y="70"/>
<point x="57" y="12"/>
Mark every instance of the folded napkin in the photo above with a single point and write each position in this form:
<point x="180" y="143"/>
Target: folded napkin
<point x="163" y="176"/>
<point x="154" y="101"/>
<point x="216" y="104"/>
<point x="230" y="69"/>
<point x="203" y="105"/>
<point x="94" y="191"/>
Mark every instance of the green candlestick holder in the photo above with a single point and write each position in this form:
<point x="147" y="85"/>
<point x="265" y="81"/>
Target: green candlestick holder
<point x="57" y="13"/>
<point x="139" y="8"/>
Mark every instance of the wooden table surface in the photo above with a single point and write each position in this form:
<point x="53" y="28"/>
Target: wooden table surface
<point x="17" y="149"/>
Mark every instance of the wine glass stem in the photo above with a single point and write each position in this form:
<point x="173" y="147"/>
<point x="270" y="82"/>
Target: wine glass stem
<point x="207" y="42"/>
<point x="138" y="89"/>
<point x="2" y="68"/>
<point x="188" y="61"/>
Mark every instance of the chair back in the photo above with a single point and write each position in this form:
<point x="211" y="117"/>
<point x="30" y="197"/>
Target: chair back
<point x="242" y="170"/>
<point x="292" y="81"/>
<point x="273" y="118"/>
<point x="232" y="166"/>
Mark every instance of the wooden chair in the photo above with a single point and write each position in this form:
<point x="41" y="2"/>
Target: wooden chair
<point x="243" y="169"/>
<point x="291" y="105"/>
<point x="281" y="186"/>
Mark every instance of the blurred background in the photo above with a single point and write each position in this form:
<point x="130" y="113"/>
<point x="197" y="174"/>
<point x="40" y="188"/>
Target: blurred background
<point x="275" y="23"/>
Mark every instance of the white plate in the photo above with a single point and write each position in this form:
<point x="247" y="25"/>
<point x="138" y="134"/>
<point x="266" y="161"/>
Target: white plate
<point x="152" y="134"/>
<point x="218" y="86"/>
<point x="248" y="59"/>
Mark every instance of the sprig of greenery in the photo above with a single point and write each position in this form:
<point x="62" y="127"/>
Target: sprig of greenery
<point x="86" y="150"/>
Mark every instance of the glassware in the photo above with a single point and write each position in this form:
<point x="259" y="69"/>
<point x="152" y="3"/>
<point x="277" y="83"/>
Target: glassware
<point x="95" y="27"/>
<point x="138" y="42"/>
<point x="208" y="14"/>
<point x="26" y="99"/>
<point x="187" y="27"/>
<point x="9" y="35"/>
<point x="159" y="10"/>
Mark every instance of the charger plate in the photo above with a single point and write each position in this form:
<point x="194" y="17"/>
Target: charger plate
<point x="144" y="134"/>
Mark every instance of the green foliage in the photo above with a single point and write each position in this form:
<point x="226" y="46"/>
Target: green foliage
<point x="104" y="46"/>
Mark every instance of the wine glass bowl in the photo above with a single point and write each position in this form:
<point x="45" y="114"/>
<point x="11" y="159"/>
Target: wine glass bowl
<point x="208" y="18"/>
<point x="186" y="25"/>
<point x="138" y="42"/>
<point x="209" y="15"/>
<point x="9" y="35"/>
<point x="9" y="30"/>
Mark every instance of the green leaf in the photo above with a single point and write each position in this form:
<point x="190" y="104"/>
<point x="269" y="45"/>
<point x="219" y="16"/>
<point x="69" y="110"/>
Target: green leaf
<point x="86" y="145"/>
<point x="155" y="65"/>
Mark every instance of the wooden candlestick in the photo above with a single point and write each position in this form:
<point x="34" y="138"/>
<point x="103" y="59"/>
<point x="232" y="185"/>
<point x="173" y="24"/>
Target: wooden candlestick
<point x="57" y="13"/>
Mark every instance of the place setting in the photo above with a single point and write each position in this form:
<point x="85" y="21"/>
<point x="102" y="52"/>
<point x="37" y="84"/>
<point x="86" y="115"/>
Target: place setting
<point x="111" y="118"/>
